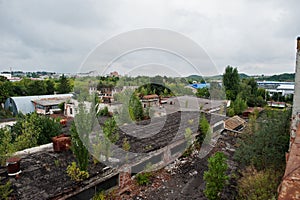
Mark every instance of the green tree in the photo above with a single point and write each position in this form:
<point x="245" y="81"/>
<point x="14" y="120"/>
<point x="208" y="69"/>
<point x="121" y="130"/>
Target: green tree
<point x="136" y="110"/>
<point x="64" y="85"/>
<point x="29" y="135"/>
<point x="6" y="146"/>
<point x="44" y="127"/>
<point x="84" y="123"/>
<point x="203" y="92"/>
<point x="231" y="82"/>
<point x="204" y="127"/>
<point x="264" y="145"/>
<point x="50" y="86"/>
<point x="5" y="89"/>
<point x="239" y="105"/>
<point x="36" y="88"/>
<point x="110" y="136"/>
<point x="215" y="177"/>
<point x="78" y="148"/>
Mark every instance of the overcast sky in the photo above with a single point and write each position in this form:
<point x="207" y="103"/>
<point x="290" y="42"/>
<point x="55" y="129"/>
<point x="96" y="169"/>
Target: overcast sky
<point x="258" y="37"/>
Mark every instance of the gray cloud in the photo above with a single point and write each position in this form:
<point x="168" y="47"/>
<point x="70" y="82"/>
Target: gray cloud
<point x="257" y="37"/>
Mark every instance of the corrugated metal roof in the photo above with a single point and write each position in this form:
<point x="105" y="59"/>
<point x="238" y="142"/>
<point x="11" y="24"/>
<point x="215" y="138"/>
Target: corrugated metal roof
<point x="285" y="87"/>
<point x="200" y="85"/>
<point x="24" y="104"/>
<point x="49" y="102"/>
<point x="234" y="122"/>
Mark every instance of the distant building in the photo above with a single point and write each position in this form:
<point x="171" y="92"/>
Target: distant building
<point x="114" y="74"/>
<point x="283" y="88"/>
<point x="275" y="104"/>
<point x="149" y="100"/>
<point x="6" y="75"/>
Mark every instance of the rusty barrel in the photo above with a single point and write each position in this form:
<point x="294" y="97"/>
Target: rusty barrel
<point x="13" y="166"/>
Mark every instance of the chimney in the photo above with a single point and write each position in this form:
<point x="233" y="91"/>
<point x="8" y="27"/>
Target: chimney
<point x="296" y="100"/>
<point x="298" y="43"/>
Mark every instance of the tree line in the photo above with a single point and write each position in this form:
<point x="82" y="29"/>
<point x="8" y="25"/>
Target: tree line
<point x="29" y="87"/>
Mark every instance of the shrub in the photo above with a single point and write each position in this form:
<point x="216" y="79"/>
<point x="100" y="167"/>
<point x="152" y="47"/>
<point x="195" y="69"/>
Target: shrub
<point x="103" y="112"/>
<point x="110" y="135"/>
<point x="258" y="185"/>
<point x="5" y="190"/>
<point x="216" y="176"/>
<point x="143" y="178"/>
<point x="78" y="148"/>
<point x="204" y="127"/>
<point x="100" y="196"/>
<point x="75" y="173"/>
<point x="39" y="129"/>
<point x="6" y="146"/>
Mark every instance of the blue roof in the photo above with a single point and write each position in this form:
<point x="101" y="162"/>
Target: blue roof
<point x="200" y="85"/>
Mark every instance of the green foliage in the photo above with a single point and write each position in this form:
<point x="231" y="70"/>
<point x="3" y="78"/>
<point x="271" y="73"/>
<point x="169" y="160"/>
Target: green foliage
<point x="215" y="177"/>
<point x="123" y="115"/>
<point x="85" y="120"/>
<point x="136" y="110"/>
<point x="230" y="112"/>
<point x="50" y="86"/>
<point x="100" y="196"/>
<point x="126" y="145"/>
<point x="103" y="112"/>
<point x="5" y="191"/>
<point x="6" y="146"/>
<point x="154" y="88"/>
<point x="143" y="178"/>
<point x="203" y="93"/>
<point x="239" y="105"/>
<point x="5" y="89"/>
<point x="61" y="106"/>
<point x="110" y="136"/>
<point x="188" y="136"/>
<point x="4" y="114"/>
<point x="75" y="173"/>
<point x="280" y="77"/>
<point x="258" y="185"/>
<point x="204" y="127"/>
<point x="36" y="129"/>
<point x="231" y="82"/>
<point x="64" y="85"/>
<point x="265" y="142"/>
<point x="78" y="148"/>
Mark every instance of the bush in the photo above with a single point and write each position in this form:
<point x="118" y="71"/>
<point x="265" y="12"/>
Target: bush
<point x="5" y="190"/>
<point x="75" y="173"/>
<point x="39" y="129"/>
<point x="204" y="127"/>
<point x="100" y="196"/>
<point x="6" y="146"/>
<point x="103" y="112"/>
<point x="258" y="185"/>
<point x="215" y="177"/>
<point x="144" y="178"/>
